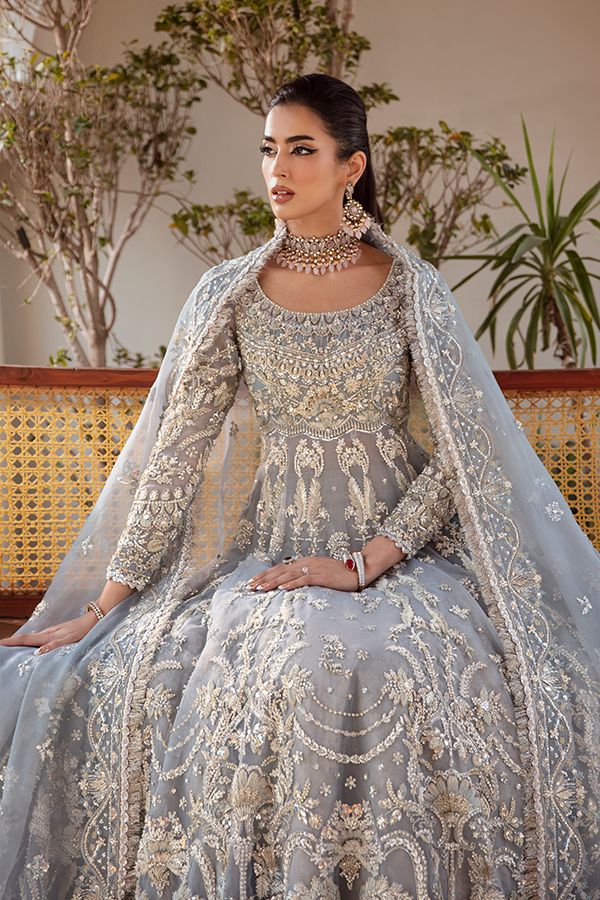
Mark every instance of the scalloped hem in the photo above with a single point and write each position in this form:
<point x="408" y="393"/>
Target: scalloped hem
<point x="400" y="544"/>
<point x="120" y="578"/>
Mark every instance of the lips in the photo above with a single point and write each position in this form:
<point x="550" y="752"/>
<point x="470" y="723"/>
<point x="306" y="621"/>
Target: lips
<point x="281" y="191"/>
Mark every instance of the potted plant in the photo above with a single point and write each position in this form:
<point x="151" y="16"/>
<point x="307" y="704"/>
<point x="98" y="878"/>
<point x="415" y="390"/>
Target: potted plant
<point x="540" y="268"/>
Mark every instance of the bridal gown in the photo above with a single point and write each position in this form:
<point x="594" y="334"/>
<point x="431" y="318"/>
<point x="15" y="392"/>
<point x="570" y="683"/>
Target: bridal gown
<point x="307" y="744"/>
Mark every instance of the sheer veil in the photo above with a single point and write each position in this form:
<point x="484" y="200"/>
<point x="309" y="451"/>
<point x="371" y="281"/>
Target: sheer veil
<point x="539" y="574"/>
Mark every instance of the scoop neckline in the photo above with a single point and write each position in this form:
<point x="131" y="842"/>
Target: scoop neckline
<point x="328" y="312"/>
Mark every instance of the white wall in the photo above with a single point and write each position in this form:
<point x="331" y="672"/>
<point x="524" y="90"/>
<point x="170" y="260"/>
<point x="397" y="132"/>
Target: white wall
<point x="476" y="65"/>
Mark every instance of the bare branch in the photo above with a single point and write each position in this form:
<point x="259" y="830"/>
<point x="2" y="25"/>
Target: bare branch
<point x="67" y="133"/>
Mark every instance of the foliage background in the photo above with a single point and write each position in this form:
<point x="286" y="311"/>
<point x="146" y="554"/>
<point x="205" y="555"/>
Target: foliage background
<point x="473" y="65"/>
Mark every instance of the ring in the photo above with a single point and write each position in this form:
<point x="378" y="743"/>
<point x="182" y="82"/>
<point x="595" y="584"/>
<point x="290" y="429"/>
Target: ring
<point x="287" y="560"/>
<point x="304" y="570"/>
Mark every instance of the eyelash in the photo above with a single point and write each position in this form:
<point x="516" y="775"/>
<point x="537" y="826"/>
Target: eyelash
<point x="309" y="150"/>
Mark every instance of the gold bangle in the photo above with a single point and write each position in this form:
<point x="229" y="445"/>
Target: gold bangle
<point x="95" y="608"/>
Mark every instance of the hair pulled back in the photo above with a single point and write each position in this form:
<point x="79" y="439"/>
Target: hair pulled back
<point x="344" y="117"/>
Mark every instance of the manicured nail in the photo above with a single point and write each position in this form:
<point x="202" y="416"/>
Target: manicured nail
<point x="37" y="651"/>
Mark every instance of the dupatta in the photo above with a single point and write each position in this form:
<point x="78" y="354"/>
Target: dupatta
<point x="538" y="572"/>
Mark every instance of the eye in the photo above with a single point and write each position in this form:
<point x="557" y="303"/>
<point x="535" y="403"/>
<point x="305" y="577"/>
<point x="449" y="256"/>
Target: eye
<point x="307" y="150"/>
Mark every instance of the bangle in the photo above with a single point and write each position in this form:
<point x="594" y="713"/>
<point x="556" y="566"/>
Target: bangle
<point x="360" y="565"/>
<point x="351" y="565"/>
<point x="92" y="606"/>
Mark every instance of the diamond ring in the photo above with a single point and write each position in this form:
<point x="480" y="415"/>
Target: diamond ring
<point x="305" y="570"/>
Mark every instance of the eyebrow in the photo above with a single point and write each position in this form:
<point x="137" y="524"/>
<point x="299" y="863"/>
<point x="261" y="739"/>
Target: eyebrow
<point x="290" y="140"/>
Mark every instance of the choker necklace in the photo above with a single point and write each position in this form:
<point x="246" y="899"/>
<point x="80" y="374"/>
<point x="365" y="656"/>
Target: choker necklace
<point x="319" y="255"/>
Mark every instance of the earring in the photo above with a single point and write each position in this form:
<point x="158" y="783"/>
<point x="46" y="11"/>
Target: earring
<point x="355" y="219"/>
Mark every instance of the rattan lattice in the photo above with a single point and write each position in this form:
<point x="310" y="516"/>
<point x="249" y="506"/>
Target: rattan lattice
<point x="58" y="445"/>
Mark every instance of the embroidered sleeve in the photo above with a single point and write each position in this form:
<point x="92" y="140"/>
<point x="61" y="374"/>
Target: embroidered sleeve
<point x="426" y="507"/>
<point x="191" y="422"/>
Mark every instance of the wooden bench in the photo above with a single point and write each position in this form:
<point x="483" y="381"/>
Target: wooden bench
<point x="62" y="429"/>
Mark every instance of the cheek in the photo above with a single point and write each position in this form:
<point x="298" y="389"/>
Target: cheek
<point x="314" y="174"/>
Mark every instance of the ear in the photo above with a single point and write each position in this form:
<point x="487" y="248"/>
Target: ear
<point x="356" y="165"/>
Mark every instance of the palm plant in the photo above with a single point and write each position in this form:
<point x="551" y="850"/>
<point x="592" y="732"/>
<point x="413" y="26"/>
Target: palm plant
<point x="540" y="265"/>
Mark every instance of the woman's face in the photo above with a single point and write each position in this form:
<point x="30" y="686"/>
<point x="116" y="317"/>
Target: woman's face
<point x="300" y="155"/>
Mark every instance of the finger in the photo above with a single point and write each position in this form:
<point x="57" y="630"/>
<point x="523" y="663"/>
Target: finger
<point x="286" y="575"/>
<point x="51" y="645"/>
<point x="271" y="575"/>
<point x="29" y="639"/>
<point x="303" y="581"/>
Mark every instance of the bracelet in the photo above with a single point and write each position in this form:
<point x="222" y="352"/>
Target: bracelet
<point x="355" y="562"/>
<point x="92" y="606"/>
<point x="360" y="563"/>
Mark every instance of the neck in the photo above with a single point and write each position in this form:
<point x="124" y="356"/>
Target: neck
<point x="324" y="226"/>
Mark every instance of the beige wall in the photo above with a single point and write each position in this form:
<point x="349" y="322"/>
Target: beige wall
<point x="478" y="65"/>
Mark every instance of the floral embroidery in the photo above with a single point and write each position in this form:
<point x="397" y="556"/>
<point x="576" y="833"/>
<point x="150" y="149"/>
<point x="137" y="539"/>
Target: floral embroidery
<point x="554" y="512"/>
<point x="169" y="482"/>
<point x="295" y="743"/>
<point x="585" y="604"/>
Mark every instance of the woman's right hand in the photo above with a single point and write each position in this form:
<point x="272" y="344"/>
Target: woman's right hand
<point x="55" y="636"/>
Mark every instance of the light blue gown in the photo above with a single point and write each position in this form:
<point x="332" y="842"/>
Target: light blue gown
<point x="305" y="744"/>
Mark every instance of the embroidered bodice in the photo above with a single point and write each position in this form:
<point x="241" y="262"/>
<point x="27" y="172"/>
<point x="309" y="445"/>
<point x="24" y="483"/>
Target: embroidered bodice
<point x="338" y="464"/>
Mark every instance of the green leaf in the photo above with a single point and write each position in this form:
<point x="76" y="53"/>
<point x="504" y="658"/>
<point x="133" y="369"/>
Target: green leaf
<point x="531" y="334"/>
<point x="469" y="276"/>
<point x="532" y="172"/>
<point x="510" y="333"/>
<point x="500" y="302"/>
<point x="500" y="183"/>
<point x="528" y="243"/>
<point x="562" y="182"/>
<point x="508" y="269"/>
<point x="584" y="283"/>
<point x="507" y="234"/>
<point x="587" y="328"/>
<point x="550" y="212"/>
<point x="577" y="212"/>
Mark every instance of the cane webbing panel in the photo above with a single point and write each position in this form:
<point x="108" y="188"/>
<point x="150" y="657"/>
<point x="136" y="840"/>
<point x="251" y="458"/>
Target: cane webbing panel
<point x="563" y="426"/>
<point x="58" y="445"/>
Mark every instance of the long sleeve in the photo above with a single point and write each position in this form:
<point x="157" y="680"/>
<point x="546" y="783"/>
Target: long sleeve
<point x="191" y="423"/>
<point x="426" y="507"/>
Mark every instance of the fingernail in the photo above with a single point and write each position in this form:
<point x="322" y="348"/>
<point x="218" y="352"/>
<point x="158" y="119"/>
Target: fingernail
<point x="37" y="652"/>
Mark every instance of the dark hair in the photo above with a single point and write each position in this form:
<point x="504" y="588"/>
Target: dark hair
<point x="344" y="117"/>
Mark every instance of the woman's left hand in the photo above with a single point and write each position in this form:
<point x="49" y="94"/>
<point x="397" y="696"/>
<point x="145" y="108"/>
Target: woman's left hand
<point x="379" y="554"/>
<point x="322" y="570"/>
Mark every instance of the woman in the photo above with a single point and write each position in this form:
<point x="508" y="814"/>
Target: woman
<point x="385" y="685"/>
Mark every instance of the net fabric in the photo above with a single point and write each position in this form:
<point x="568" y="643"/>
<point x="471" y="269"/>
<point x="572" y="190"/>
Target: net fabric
<point x="539" y="574"/>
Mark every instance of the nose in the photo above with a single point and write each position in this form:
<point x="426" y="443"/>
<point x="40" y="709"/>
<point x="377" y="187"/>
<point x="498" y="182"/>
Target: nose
<point x="279" y="168"/>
